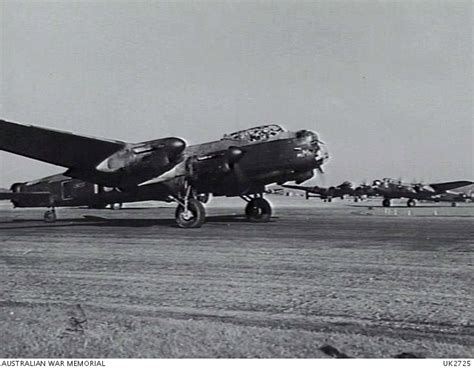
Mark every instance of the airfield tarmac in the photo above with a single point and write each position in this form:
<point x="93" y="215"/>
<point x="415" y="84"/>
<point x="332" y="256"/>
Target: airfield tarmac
<point x="367" y="281"/>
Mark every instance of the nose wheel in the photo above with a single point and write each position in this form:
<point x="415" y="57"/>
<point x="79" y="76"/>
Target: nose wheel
<point x="258" y="209"/>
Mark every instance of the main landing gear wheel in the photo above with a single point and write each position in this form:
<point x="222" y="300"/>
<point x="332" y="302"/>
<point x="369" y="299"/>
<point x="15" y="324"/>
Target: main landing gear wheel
<point x="258" y="210"/>
<point x="193" y="217"/>
<point x="50" y="216"/>
<point x="386" y="203"/>
<point x="116" y="206"/>
<point x="411" y="203"/>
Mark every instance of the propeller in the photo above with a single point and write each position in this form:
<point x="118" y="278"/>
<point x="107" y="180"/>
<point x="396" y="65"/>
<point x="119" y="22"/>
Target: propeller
<point x="322" y="175"/>
<point x="234" y="155"/>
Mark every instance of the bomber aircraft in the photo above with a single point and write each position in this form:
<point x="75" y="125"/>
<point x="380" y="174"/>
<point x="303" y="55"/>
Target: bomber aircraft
<point x="327" y="194"/>
<point x="101" y="171"/>
<point x="455" y="197"/>
<point x="390" y="188"/>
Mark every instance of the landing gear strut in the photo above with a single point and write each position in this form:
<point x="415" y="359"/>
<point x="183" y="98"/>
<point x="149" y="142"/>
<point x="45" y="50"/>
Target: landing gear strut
<point x="50" y="216"/>
<point x="192" y="216"/>
<point x="258" y="209"/>
<point x="190" y="212"/>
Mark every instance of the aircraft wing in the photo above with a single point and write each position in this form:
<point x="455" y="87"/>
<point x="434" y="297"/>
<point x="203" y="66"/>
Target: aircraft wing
<point x="446" y="186"/>
<point x="302" y="188"/>
<point x="55" y="147"/>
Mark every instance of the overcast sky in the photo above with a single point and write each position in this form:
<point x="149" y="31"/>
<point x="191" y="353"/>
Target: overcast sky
<point x="388" y="85"/>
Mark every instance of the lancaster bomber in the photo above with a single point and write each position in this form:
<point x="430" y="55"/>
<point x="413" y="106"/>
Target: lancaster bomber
<point x="101" y="171"/>
<point x="389" y="188"/>
<point x="327" y="194"/>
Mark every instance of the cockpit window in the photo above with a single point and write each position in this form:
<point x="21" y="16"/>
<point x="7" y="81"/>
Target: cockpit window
<point x="261" y="133"/>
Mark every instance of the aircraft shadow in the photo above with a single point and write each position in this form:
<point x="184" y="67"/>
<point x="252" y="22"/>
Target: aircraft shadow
<point x="399" y="206"/>
<point x="96" y="221"/>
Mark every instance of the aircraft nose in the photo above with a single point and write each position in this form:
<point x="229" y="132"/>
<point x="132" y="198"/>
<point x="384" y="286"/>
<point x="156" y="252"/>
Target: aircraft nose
<point x="321" y="153"/>
<point x="315" y="148"/>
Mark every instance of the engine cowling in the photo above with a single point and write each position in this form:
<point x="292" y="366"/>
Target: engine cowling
<point x="17" y="187"/>
<point x="214" y="166"/>
<point x="157" y="153"/>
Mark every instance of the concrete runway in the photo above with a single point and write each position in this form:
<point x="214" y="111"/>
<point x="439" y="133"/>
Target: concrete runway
<point x="367" y="281"/>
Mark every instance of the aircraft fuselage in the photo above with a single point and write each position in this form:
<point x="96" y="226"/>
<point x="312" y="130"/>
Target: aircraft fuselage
<point x="233" y="166"/>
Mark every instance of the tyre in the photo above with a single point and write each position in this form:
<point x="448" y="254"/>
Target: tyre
<point x="50" y="216"/>
<point x="193" y="218"/>
<point x="386" y="203"/>
<point x="411" y="203"/>
<point x="258" y="210"/>
<point x="116" y="206"/>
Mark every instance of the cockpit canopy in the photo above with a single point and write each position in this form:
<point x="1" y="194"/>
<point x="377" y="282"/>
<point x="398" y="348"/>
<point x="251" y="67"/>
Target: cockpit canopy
<point x="256" y="134"/>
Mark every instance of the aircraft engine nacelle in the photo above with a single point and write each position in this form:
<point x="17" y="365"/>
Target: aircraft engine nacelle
<point x="17" y="187"/>
<point x="423" y="188"/>
<point x="157" y="153"/>
<point x="214" y="166"/>
<point x="208" y="169"/>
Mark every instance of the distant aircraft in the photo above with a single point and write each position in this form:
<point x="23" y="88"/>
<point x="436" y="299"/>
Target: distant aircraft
<point x="275" y="191"/>
<point x="364" y="191"/>
<point x="327" y="194"/>
<point x="455" y="197"/>
<point x="394" y="189"/>
<point x="108" y="172"/>
<point x="390" y="189"/>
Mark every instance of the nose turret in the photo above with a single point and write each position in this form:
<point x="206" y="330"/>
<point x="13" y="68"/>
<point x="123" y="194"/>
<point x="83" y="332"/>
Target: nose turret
<point x="316" y="147"/>
<point x="322" y="155"/>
